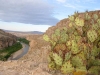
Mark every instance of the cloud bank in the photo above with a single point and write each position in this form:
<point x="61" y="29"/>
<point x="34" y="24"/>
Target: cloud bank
<point x="35" y="12"/>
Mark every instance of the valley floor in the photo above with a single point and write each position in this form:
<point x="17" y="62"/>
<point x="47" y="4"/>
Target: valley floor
<point x="20" y="52"/>
<point x="33" y="63"/>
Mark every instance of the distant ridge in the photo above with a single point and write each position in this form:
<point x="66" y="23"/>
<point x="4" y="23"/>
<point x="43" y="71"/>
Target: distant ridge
<point x="27" y="32"/>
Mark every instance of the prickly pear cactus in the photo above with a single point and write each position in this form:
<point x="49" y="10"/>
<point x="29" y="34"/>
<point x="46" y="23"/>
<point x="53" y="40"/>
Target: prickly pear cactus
<point x="98" y="21"/>
<point x="67" y="56"/>
<point x="46" y="38"/>
<point x="77" y="61"/>
<point x="57" y="32"/>
<point x="87" y="17"/>
<point x="92" y="35"/>
<point x="58" y="60"/>
<point x="79" y="22"/>
<point x="63" y="37"/>
<point x="52" y="65"/>
<point x="75" y="48"/>
<point x="94" y="51"/>
<point x="67" y="67"/>
<point x="94" y="70"/>
<point x="95" y="26"/>
<point x="95" y="16"/>
<point x="71" y="18"/>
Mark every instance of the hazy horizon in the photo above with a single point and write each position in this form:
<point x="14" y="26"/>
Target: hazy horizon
<point x="19" y="31"/>
<point x="39" y="15"/>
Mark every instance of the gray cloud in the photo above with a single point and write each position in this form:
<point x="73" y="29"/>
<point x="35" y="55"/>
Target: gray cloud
<point x="27" y="11"/>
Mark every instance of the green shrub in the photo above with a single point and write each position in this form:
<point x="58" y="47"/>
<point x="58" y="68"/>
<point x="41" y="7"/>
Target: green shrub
<point x="6" y="53"/>
<point x="24" y="40"/>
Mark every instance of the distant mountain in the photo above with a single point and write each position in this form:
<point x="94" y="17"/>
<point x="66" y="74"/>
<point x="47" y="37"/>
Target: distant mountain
<point x="28" y="32"/>
<point x="36" y="32"/>
<point x="24" y="34"/>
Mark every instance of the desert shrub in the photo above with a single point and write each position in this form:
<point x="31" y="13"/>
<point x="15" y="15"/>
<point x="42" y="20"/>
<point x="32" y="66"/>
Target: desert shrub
<point x="24" y="40"/>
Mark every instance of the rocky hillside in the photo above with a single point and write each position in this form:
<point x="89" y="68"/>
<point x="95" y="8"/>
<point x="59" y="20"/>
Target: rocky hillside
<point x="6" y="39"/>
<point x="65" y="22"/>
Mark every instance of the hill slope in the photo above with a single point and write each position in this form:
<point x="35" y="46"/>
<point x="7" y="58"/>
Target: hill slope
<point x="65" y="22"/>
<point x="6" y="39"/>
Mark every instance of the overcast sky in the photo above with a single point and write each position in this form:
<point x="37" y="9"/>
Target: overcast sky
<point x="38" y="15"/>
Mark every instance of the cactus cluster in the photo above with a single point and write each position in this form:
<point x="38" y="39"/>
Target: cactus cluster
<point x="75" y="49"/>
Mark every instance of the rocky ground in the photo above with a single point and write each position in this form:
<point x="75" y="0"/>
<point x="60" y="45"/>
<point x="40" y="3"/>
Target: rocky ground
<point x="33" y="63"/>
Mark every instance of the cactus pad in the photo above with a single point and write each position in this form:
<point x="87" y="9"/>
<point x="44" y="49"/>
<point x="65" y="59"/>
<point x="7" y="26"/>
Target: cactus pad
<point x="77" y="61"/>
<point x="70" y="25"/>
<point x="92" y="35"/>
<point x="82" y="55"/>
<point x="94" y="70"/>
<point x="95" y="16"/>
<point x="67" y="68"/>
<point x="45" y="37"/>
<point x="67" y="56"/>
<point x="57" y="32"/>
<point x="79" y="22"/>
<point x="98" y="21"/>
<point x="54" y="37"/>
<point x="95" y="51"/>
<point x="95" y="26"/>
<point x="64" y="38"/>
<point x="81" y="68"/>
<point x="52" y="65"/>
<point x="74" y="47"/>
<point x="87" y="17"/>
<point x="71" y="18"/>
<point x="58" y="60"/>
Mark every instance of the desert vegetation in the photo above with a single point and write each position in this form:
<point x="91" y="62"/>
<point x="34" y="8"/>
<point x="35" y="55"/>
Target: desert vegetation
<point x="6" y="52"/>
<point x="24" y="40"/>
<point x="75" y="48"/>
